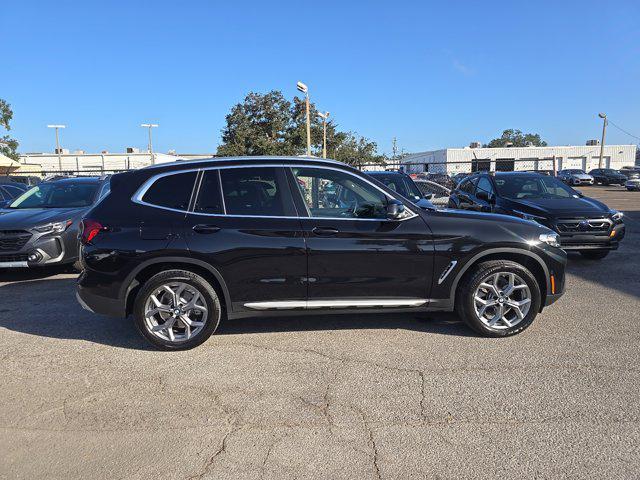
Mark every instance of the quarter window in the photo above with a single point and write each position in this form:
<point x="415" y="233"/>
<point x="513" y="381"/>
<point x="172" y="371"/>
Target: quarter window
<point x="171" y="191"/>
<point x="209" y="199"/>
<point x="335" y="194"/>
<point x="255" y="191"/>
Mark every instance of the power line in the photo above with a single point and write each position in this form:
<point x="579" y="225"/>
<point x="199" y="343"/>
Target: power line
<point x="624" y="131"/>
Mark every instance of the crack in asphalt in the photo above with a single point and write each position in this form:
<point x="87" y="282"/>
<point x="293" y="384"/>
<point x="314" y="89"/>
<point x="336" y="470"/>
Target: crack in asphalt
<point x="208" y="466"/>
<point x="371" y="442"/>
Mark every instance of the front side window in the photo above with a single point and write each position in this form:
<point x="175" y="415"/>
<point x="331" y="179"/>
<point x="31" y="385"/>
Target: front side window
<point x="484" y="184"/>
<point x="57" y="195"/>
<point x="171" y="191"/>
<point x="255" y="191"/>
<point x="468" y="186"/>
<point x="336" y="194"/>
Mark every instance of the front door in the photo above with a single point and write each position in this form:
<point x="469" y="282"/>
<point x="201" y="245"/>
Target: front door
<point x="244" y="224"/>
<point x="356" y="256"/>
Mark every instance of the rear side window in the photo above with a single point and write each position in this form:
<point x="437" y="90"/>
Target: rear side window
<point x="171" y="191"/>
<point x="209" y="199"/>
<point x="256" y="191"/>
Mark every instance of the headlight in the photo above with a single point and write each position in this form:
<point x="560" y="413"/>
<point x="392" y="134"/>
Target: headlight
<point x="552" y="239"/>
<point x="528" y="216"/>
<point x="55" y="227"/>
<point x="616" y="215"/>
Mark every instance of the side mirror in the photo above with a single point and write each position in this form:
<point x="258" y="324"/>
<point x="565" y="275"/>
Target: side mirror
<point x="395" y="209"/>
<point x="486" y="196"/>
<point x="429" y="196"/>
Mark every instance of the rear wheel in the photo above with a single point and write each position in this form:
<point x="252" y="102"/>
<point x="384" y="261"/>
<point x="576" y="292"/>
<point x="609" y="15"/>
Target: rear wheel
<point x="498" y="298"/>
<point x="594" y="254"/>
<point x="177" y="310"/>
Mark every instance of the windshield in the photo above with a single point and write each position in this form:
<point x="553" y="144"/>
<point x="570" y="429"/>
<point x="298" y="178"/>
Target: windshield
<point x="401" y="184"/>
<point x="574" y="171"/>
<point x="609" y="170"/>
<point x="520" y="186"/>
<point x="57" y="195"/>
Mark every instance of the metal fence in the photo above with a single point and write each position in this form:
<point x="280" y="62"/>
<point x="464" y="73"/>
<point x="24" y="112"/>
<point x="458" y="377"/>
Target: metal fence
<point x="548" y="165"/>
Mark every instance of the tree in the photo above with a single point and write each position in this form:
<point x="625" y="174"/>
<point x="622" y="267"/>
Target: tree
<point x="517" y="139"/>
<point x="8" y="145"/>
<point x="268" y="124"/>
<point x="257" y="126"/>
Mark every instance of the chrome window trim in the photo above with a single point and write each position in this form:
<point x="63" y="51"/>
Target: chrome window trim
<point x="139" y="194"/>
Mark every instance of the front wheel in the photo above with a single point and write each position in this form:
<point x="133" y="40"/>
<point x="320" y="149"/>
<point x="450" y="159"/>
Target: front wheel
<point x="498" y="298"/>
<point x="177" y="310"/>
<point x="594" y="254"/>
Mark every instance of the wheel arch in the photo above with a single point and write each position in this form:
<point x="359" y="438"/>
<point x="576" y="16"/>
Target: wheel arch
<point x="150" y="267"/>
<point x="525" y="258"/>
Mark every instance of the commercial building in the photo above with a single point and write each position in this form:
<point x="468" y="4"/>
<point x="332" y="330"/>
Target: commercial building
<point x="67" y="161"/>
<point x="475" y="158"/>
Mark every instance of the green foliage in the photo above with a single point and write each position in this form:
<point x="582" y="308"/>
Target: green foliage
<point x="517" y="139"/>
<point x="268" y="124"/>
<point x="8" y="146"/>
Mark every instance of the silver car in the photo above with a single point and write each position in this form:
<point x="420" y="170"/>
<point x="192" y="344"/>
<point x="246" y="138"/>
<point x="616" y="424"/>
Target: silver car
<point x="632" y="184"/>
<point x="575" y="176"/>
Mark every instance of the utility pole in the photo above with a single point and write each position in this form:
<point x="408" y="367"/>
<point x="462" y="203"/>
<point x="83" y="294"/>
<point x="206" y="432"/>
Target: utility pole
<point x="304" y="89"/>
<point x="394" y="149"/>
<point x="603" y="116"/>
<point x="57" y="127"/>
<point x="150" y="126"/>
<point x="324" y="117"/>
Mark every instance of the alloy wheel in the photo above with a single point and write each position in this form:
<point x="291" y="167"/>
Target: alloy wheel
<point x="175" y="312"/>
<point x="502" y="300"/>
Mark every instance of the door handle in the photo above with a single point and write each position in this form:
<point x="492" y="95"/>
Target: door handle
<point x="204" y="228"/>
<point x="325" y="231"/>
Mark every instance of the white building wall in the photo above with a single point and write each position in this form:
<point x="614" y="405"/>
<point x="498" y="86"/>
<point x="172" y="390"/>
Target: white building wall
<point x="50" y="162"/>
<point x="525" y="158"/>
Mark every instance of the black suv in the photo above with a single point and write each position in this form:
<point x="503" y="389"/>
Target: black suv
<point x="584" y="224"/>
<point x="608" y="176"/>
<point x="183" y="245"/>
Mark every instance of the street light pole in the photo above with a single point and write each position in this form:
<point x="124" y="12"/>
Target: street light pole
<point x="603" y="116"/>
<point x="324" y="117"/>
<point x="150" y="126"/>
<point x="304" y="89"/>
<point x="57" y="127"/>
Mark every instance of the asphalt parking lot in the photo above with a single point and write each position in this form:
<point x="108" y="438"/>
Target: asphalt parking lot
<point x="393" y="396"/>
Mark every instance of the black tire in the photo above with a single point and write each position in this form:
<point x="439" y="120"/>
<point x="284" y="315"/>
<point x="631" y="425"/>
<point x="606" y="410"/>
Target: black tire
<point x="594" y="254"/>
<point x="209" y="296"/>
<point x="464" y="305"/>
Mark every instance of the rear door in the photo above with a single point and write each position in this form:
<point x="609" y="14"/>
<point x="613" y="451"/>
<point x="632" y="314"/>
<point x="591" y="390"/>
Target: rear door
<point x="244" y="223"/>
<point x="356" y="256"/>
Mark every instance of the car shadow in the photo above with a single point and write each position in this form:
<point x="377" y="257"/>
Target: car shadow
<point x="47" y="307"/>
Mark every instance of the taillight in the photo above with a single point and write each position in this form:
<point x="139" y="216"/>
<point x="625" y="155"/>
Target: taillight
<point x="89" y="229"/>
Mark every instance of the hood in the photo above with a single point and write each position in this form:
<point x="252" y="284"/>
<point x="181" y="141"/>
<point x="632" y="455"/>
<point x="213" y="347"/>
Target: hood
<point x="581" y="176"/>
<point x="27" y="218"/>
<point x="561" y="207"/>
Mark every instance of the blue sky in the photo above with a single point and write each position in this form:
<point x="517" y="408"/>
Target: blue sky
<point x="433" y="74"/>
